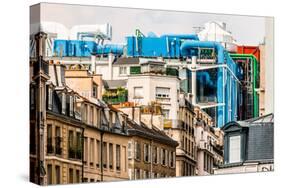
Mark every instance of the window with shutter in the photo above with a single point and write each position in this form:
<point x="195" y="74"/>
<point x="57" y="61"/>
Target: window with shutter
<point x="149" y="153"/>
<point x="70" y="105"/>
<point x="63" y="103"/>
<point x="130" y="150"/>
<point x="50" y="98"/>
<point x="234" y="149"/>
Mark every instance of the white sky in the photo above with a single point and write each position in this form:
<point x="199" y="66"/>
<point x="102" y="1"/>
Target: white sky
<point x="247" y="30"/>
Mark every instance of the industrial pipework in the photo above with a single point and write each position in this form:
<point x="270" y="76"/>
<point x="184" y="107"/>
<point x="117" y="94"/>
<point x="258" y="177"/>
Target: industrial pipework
<point x="166" y="46"/>
<point x="228" y="84"/>
<point x="255" y="76"/>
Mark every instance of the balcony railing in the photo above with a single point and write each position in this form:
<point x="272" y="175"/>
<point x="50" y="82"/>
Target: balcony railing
<point x="50" y="147"/>
<point x="205" y="146"/>
<point x="74" y="153"/>
<point x="115" y="99"/>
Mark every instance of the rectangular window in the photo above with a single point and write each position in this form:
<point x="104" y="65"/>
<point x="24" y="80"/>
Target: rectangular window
<point x="123" y="71"/>
<point x="118" y="157"/>
<point x="162" y="92"/>
<point x="86" y="151"/>
<point x="104" y="155"/>
<point x="58" y="175"/>
<point x="124" y="159"/>
<point x="95" y="89"/>
<point x="50" y="148"/>
<point x="71" y="105"/>
<point x="70" y="175"/>
<point x="137" y="151"/>
<point x="92" y="152"/>
<point x="58" y="141"/>
<point x="130" y="150"/>
<point x="234" y="149"/>
<point x="50" y="174"/>
<point x="77" y="176"/>
<point x="166" y="158"/>
<point x="63" y="103"/>
<point x="138" y="92"/>
<point x="154" y="154"/>
<point x="98" y="146"/>
<point x="71" y="150"/>
<point x="145" y="152"/>
<point x="50" y="98"/>
<point x="79" y="145"/>
<point x="111" y="156"/>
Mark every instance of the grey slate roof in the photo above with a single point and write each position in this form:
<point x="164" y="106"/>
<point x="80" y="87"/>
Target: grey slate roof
<point x="142" y="130"/>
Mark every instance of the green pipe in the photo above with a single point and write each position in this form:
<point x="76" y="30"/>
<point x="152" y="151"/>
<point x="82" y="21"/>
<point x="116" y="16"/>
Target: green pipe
<point x="254" y="65"/>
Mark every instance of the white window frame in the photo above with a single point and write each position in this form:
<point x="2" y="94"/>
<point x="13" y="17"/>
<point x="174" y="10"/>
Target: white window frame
<point x="139" y="94"/>
<point x="162" y="94"/>
<point x="63" y="102"/>
<point x="123" y="71"/>
<point x="71" y="101"/>
<point x="50" y="98"/>
<point x="235" y="149"/>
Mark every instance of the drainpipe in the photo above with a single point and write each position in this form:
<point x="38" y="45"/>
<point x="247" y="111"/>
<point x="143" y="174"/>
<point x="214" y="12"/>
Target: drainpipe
<point x="93" y="64"/>
<point x="83" y="155"/>
<point x="193" y="78"/>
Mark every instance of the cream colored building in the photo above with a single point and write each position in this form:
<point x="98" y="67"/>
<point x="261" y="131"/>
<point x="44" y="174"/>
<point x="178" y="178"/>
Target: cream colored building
<point x="183" y="130"/>
<point x="151" y="153"/>
<point x="152" y="84"/>
<point x="209" y="143"/>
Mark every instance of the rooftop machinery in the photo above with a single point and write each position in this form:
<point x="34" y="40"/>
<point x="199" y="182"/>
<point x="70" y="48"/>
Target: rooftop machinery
<point x="227" y="95"/>
<point x="212" y="74"/>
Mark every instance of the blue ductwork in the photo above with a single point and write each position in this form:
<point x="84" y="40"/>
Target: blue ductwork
<point x="81" y="48"/>
<point x="166" y="46"/>
<point x="227" y="85"/>
<point x="187" y="48"/>
<point x="109" y="48"/>
<point x="182" y="36"/>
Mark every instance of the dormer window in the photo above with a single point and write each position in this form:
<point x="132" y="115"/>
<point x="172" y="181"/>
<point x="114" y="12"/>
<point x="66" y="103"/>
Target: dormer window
<point x="71" y="105"/>
<point x="50" y="98"/>
<point x="63" y="103"/>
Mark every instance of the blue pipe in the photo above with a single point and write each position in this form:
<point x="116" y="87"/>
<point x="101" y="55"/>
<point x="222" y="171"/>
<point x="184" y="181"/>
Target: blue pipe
<point x="182" y="36"/>
<point x="225" y="113"/>
<point x="189" y="45"/>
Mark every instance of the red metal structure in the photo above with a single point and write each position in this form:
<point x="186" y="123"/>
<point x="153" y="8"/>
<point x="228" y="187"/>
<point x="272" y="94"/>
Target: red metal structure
<point x="254" y="50"/>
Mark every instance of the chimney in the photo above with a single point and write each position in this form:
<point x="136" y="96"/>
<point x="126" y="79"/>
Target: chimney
<point x="93" y="64"/>
<point x="110" y="62"/>
<point x="40" y="39"/>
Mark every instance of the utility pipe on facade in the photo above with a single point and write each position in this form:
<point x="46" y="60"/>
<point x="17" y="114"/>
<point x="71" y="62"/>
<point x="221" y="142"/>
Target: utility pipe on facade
<point x="193" y="78"/>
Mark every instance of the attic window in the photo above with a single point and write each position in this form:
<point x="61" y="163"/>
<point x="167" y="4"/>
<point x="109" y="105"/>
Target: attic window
<point x="50" y="98"/>
<point x="234" y="149"/>
<point x="71" y="105"/>
<point x="63" y="103"/>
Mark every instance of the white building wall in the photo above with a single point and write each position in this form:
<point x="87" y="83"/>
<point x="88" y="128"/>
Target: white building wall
<point x="269" y="66"/>
<point x="149" y="84"/>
